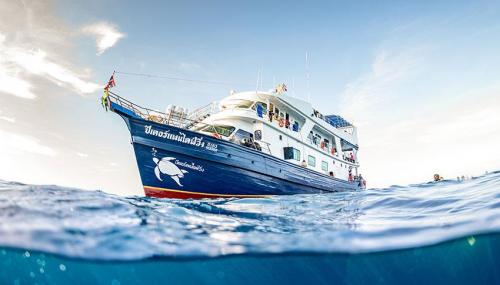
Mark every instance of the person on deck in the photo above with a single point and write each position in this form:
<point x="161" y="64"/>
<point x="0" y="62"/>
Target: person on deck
<point x="304" y="163"/>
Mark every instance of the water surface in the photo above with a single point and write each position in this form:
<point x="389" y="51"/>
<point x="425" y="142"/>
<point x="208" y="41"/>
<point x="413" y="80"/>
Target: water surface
<point x="431" y="232"/>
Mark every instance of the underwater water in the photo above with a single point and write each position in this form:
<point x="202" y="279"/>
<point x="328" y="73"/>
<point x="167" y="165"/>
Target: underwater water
<point x="447" y="232"/>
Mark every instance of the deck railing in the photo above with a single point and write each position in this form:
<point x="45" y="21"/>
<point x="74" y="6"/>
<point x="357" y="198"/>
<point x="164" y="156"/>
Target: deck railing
<point x="201" y="113"/>
<point x="172" y="118"/>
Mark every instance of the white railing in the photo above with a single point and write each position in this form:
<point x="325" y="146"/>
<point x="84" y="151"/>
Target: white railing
<point x="200" y="114"/>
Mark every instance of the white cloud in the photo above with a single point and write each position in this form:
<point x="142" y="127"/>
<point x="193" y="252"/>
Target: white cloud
<point x="405" y="138"/>
<point x="34" y="45"/>
<point x="16" y="61"/>
<point x="106" y="34"/>
<point x="13" y="85"/>
<point x="455" y="140"/>
<point x="371" y="89"/>
<point x="11" y="120"/>
<point x="8" y="119"/>
<point x="16" y="142"/>
<point x="82" y="155"/>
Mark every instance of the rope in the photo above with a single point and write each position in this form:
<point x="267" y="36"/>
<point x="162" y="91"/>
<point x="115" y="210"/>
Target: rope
<point x="179" y="78"/>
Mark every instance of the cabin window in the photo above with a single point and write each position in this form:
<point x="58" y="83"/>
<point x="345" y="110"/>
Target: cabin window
<point x="291" y="153"/>
<point x="221" y="130"/>
<point x="311" y="160"/>
<point x="239" y="104"/>
<point x="324" y="165"/>
<point x="241" y="134"/>
<point x="258" y="135"/>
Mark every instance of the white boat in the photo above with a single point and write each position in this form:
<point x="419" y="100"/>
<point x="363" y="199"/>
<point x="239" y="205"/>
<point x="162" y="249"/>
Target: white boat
<point x="249" y="144"/>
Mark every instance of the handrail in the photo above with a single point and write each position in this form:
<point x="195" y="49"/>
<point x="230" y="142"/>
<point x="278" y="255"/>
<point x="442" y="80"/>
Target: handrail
<point x="267" y="145"/>
<point x="202" y="111"/>
<point x="200" y="114"/>
<point x="173" y="118"/>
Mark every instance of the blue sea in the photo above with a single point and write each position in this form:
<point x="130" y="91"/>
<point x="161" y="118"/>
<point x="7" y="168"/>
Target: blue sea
<point x="431" y="233"/>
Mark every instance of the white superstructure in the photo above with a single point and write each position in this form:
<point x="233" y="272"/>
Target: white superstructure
<point x="287" y="128"/>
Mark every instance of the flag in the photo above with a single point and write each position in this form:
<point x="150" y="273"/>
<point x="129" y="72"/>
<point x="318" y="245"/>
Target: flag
<point x="280" y="88"/>
<point x="111" y="82"/>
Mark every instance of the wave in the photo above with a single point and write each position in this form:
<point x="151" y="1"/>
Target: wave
<point x="100" y="226"/>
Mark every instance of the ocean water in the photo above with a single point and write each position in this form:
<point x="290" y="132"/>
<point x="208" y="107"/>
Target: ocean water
<point x="446" y="232"/>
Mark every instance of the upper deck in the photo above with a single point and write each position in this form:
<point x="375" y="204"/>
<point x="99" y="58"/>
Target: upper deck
<point x="303" y="111"/>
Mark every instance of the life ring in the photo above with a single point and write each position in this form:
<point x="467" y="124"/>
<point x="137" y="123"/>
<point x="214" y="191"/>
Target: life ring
<point x="281" y="122"/>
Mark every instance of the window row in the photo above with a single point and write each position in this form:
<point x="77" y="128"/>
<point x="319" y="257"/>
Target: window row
<point x="293" y="153"/>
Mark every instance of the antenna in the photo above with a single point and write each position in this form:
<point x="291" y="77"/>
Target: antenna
<point x="307" y="79"/>
<point x="261" y="77"/>
<point x="258" y="78"/>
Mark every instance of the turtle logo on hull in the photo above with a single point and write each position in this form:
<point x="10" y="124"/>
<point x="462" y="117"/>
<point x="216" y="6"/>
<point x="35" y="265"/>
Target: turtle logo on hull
<point x="165" y="166"/>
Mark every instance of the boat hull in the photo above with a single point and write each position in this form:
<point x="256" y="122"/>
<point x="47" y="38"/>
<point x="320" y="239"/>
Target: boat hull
<point x="177" y="163"/>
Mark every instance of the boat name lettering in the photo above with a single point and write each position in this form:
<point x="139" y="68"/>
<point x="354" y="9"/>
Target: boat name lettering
<point x="211" y="146"/>
<point x="180" y="137"/>
<point x="191" y="165"/>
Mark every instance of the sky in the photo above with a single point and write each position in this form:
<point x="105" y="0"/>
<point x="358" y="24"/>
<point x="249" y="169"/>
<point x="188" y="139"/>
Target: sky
<point x="420" y="79"/>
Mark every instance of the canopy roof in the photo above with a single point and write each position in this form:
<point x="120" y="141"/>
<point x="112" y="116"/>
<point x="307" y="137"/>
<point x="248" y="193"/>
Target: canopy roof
<point x="337" y="121"/>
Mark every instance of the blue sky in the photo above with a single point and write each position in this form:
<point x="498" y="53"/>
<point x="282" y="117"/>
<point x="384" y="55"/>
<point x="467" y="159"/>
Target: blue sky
<point x="419" y="79"/>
